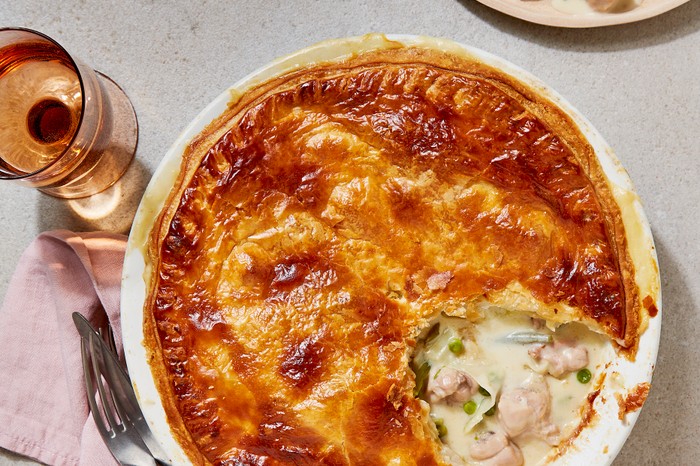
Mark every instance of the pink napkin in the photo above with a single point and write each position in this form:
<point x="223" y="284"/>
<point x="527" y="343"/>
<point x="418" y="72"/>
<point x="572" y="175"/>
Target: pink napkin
<point x="43" y="408"/>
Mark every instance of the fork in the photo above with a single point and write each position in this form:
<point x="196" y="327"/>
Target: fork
<point x="109" y="401"/>
<point x="128" y="402"/>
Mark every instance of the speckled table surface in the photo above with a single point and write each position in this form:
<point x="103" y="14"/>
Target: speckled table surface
<point x="637" y="83"/>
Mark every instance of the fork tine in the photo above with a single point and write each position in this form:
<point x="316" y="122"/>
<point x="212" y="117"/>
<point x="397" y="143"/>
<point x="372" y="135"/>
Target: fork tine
<point x="110" y="339"/>
<point x="123" y="403"/>
<point x="97" y="368"/>
<point x="91" y="388"/>
<point x="114" y="371"/>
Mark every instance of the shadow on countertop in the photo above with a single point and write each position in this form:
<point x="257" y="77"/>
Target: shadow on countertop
<point x="668" y="423"/>
<point x="664" y="28"/>
<point x="112" y="210"/>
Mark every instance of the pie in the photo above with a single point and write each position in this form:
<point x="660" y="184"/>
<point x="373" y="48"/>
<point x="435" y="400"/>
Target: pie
<point x="319" y="227"/>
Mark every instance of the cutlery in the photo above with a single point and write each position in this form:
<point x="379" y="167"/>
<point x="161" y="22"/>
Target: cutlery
<point x="117" y="416"/>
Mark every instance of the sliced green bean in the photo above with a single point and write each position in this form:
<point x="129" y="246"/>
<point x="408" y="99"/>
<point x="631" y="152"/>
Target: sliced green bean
<point x="421" y="379"/>
<point x="432" y="333"/>
<point x="526" y="337"/>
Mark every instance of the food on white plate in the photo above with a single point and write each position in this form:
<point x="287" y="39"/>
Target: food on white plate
<point x="588" y="6"/>
<point x="397" y="256"/>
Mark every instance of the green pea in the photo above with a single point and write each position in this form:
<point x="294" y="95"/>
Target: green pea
<point x="440" y="426"/>
<point x="483" y="391"/>
<point x="491" y="411"/>
<point x="469" y="407"/>
<point x="584" y="375"/>
<point x="455" y="345"/>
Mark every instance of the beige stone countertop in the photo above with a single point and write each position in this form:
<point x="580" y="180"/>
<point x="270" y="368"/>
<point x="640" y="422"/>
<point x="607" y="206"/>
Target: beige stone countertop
<point x="638" y="84"/>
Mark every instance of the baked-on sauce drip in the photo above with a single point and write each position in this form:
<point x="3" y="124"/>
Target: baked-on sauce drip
<point x="298" y="263"/>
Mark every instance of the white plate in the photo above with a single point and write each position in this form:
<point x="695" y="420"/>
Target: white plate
<point x="542" y="12"/>
<point x="598" y="444"/>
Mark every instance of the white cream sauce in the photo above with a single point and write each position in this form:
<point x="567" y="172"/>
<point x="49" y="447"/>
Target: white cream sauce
<point x="493" y="361"/>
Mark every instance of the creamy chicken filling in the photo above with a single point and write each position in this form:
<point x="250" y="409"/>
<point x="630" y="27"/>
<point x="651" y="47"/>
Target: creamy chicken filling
<point x="505" y="390"/>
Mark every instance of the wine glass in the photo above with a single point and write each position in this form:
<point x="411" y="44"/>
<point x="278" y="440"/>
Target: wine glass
<point x="66" y="129"/>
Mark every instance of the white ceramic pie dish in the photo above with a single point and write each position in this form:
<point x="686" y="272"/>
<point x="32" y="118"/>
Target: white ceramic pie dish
<point x="597" y="444"/>
<point x="542" y="12"/>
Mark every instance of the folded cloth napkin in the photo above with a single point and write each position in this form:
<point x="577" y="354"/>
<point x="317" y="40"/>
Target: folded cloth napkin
<point x="43" y="407"/>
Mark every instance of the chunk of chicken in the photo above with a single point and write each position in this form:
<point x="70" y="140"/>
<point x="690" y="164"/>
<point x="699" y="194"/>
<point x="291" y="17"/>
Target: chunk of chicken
<point x="560" y="357"/>
<point x="494" y="449"/>
<point x="525" y="410"/>
<point x="452" y="386"/>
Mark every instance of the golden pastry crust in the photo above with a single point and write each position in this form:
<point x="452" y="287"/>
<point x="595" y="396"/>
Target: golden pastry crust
<point x="329" y="214"/>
